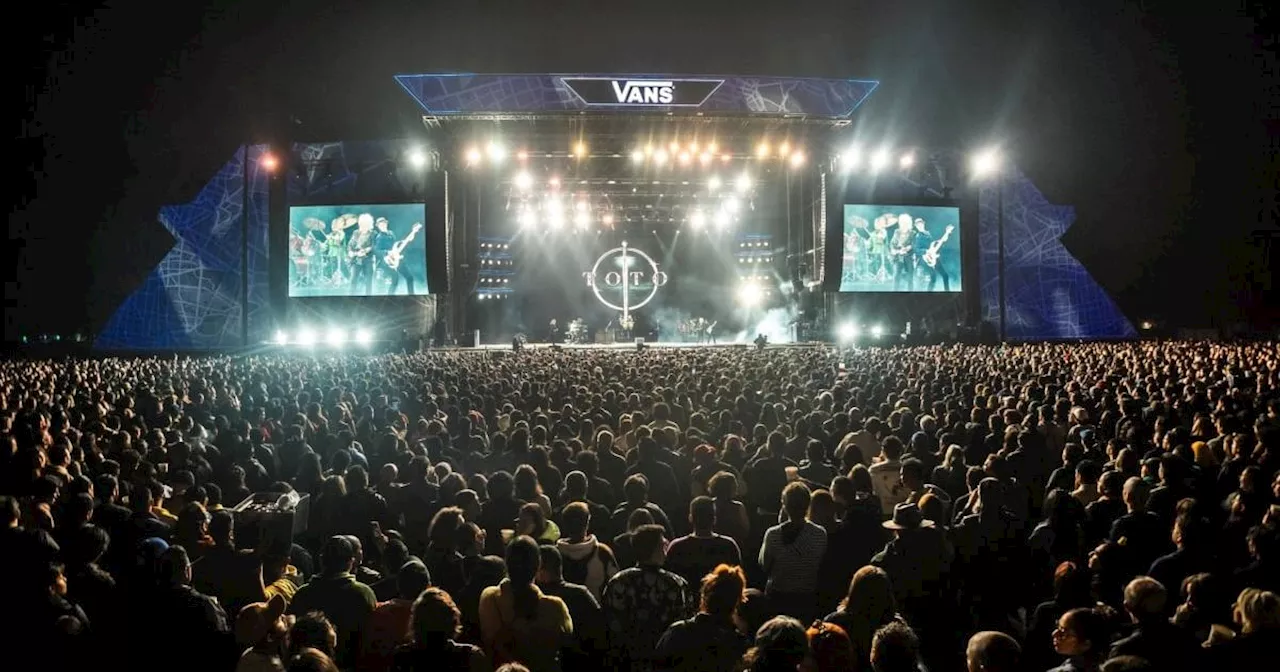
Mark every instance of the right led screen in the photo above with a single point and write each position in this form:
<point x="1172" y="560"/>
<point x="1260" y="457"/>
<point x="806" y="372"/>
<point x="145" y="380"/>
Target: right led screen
<point x="901" y="248"/>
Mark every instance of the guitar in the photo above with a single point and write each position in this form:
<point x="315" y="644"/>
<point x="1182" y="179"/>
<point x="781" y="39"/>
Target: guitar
<point x="931" y="255"/>
<point x="395" y="255"/>
<point x="712" y="327"/>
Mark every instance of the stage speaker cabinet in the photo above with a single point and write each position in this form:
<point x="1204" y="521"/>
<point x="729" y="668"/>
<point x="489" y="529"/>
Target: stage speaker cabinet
<point x="266" y="520"/>
<point x="474" y="341"/>
<point x="639" y="340"/>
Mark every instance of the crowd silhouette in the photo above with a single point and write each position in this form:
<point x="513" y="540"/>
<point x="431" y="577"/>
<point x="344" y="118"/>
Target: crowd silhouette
<point x="1065" y="507"/>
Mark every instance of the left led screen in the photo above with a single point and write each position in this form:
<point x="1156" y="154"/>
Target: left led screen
<point x="358" y="250"/>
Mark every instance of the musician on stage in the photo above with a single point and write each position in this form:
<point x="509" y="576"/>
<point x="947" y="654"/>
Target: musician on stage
<point x="390" y="255"/>
<point x="360" y="255"/>
<point x="930" y="255"/>
<point x="902" y="249"/>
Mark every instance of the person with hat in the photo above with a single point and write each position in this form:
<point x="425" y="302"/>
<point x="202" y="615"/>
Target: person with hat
<point x="262" y="627"/>
<point x="917" y="559"/>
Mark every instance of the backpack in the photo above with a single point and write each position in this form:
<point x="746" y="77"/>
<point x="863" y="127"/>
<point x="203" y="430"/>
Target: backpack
<point x="575" y="571"/>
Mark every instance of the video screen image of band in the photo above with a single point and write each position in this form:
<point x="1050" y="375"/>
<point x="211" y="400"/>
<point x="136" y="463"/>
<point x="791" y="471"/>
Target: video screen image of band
<point x="901" y="248"/>
<point x="357" y="250"/>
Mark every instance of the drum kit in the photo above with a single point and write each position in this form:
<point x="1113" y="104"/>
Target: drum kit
<point x="577" y="332"/>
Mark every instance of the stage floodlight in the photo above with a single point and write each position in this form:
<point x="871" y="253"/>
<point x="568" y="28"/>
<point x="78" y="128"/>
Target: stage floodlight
<point x="850" y="159"/>
<point x="697" y="219"/>
<point x="306" y="337"/>
<point x="693" y="147"/>
<point x="637" y="156"/>
<point x="528" y="219"/>
<point x="706" y="158"/>
<point x="417" y="158"/>
<point x="496" y="152"/>
<point x="731" y="205"/>
<point x="607" y="218"/>
<point x="554" y="182"/>
<point x="555" y="220"/>
<point x="685" y="157"/>
<point x="849" y="332"/>
<point x="712" y="147"/>
<point x="877" y="331"/>
<point x="986" y="162"/>
<point x="713" y="183"/>
<point x="797" y="159"/>
<point x="908" y="159"/>
<point x="364" y="336"/>
<point x="723" y="218"/>
<point x="580" y="150"/>
<point x="269" y="162"/>
<point x="726" y="158"/>
<point x="749" y="295"/>
<point x="743" y="183"/>
<point x="337" y="336"/>
<point x="582" y="219"/>
<point x="282" y="338"/>
<point x="522" y="155"/>
<point x="581" y="206"/>
<point x="879" y="160"/>
<point x="524" y="181"/>
<point x="762" y="150"/>
<point x="660" y="157"/>
<point x="473" y="156"/>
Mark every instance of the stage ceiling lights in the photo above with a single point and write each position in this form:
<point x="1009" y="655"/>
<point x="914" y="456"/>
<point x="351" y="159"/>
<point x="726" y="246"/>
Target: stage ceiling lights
<point x="985" y="163"/>
<point x="269" y="162"/>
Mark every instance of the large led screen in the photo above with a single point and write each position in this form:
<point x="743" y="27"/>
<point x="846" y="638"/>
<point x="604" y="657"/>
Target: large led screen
<point x="901" y="248"/>
<point x="357" y="250"/>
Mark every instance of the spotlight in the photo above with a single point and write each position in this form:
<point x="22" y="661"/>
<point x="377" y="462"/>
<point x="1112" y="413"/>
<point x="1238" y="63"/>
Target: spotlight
<point x="337" y="336"/>
<point x="722" y="219"/>
<point x="797" y="159"/>
<point x="743" y="183"/>
<point x="580" y="150"/>
<point x="784" y="149"/>
<point x="581" y="206"/>
<point x="306" y="337"/>
<point x="731" y="205"/>
<point x="879" y="160"/>
<point x="907" y="160"/>
<point x="877" y="331"/>
<point x="726" y="158"/>
<point x="528" y="219"/>
<point x="850" y="159"/>
<point x="556" y="220"/>
<point x="554" y="182"/>
<point x="473" y="156"/>
<point x="607" y="218"/>
<point x="849" y="332"/>
<point x="705" y="159"/>
<point x="582" y="219"/>
<point x="660" y="157"/>
<point x="674" y="147"/>
<point x="648" y="150"/>
<point x="762" y="150"/>
<point x="364" y="336"/>
<point x="711" y="147"/>
<point x="522" y="155"/>
<point x="697" y="219"/>
<point x="281" y="338"/>
<point x="496" y="152"/>
<point x="713" y="183"/>
<point x="417" y="158"/>
<point x="749" y="295"/>
<point x="524" y="181"/>
<point x="269" y="162"/>
<point x="685" y="157"/>
<point x="986" y="163"/>
<point x="637" y="156"/>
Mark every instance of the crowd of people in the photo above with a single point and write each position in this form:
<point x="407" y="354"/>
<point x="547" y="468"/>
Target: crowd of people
<point x="1066" y="507"/>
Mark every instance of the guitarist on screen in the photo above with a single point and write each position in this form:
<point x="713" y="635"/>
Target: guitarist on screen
<point x="360" y="255"/>
<point x="902" y="252"/>
<point x="393" y="259"/>
<point x="932" y="256"/>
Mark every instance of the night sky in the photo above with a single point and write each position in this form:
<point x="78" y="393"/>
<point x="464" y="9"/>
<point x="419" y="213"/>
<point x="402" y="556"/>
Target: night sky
<point x="1159" y="125"/>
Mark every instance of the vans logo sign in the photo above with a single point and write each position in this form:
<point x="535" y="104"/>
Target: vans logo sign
<point x="625" y="92"/>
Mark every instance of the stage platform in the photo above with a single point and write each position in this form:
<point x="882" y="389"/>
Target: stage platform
<point x="657" y="345"/>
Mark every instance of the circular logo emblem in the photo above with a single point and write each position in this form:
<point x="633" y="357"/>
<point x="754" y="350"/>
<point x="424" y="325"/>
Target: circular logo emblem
<point x="625" y="279"/>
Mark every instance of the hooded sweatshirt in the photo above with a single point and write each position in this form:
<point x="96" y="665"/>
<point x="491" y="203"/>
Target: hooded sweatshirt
<point x="599" y="560"/>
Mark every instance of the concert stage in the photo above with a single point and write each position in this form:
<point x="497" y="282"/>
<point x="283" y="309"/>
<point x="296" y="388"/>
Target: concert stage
<point x="656" y="345"/>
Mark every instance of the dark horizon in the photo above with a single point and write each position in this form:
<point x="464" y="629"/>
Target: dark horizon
<point x="1159" y="127"/>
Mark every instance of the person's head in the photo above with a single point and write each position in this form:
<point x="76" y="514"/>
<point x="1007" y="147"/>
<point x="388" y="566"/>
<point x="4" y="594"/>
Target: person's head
<point x="912" y="473"/>
<point x="891" y="449"/>
<point x="523" y="560"/>
<point x="175" y="566"/>
<point x="649" y="544"/>
<point x="575" y="520"/>
<point x="1136" y="492"/>
<point x="895" y="648"/>
<point x="1126" y="664"/>
<point x="336" y="556"/>
<point x="443" y="532"/>
<point x="870" y="594"/>
<point x="1081" y="632"/>
<point x="531" y="521"/>
<point x="636" y="489"/>
<point x="411" y="579"/>
<point x="723" y="486"/>
<point x="551" y="572"/>
<point x="1111" y="484"/>
<point x="1071" y="583"/>
<point x="1257" y="611"/>
<point x="435" y="617"/>
<point x="992" y="651"/>
<point x="722" y="591"/>
<point x="313" y="630"/>
<point x="365" y="222"/>
<point x="1145" y="599"/>
<point x="702" y="514"/>
<point x="311" y="660"/>
<point x="829" y="647"/>
<point x="781" y="644"/>
<point x="795" y="501"/>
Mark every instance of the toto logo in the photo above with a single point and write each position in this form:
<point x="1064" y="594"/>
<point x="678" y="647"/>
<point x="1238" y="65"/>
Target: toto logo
<point x="625" y="279"/>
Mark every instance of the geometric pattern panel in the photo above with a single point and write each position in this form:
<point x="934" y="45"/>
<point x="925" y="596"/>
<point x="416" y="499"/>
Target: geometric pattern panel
<point x="465" y="93"/>
<point x="1050" y="295"/>
<point x="192" y="300"/>
<point x="345" y="172"/>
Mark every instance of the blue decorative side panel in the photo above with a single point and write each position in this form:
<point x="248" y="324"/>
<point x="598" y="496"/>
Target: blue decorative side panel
<point x="1050" y="294"/>
<point x="261" y="324"/>
<point x="462" y="93"/>
<point x="193" y="299"/>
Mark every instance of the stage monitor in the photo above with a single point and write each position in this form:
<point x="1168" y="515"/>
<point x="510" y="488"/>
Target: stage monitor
<point x="357" y="250"/>
<point x="901" y="248"/>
